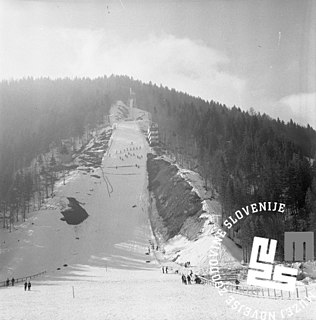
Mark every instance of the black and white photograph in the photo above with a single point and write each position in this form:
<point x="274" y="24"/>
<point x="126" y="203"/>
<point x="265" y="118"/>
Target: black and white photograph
<point x="157" y="159"/>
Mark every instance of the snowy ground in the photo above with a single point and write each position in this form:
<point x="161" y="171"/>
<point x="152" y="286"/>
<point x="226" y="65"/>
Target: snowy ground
<point x="127" y="294"/>
<point x="108" y="275"/>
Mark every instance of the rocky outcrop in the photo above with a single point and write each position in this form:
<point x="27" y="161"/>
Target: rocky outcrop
<point x="174" y="200"/>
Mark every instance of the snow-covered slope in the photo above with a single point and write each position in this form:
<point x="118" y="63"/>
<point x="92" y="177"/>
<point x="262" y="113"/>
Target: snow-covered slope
<point x="181" y="203"/>
<point x="198" y="251"/>
<point x="104" y="271"/>
<point x="116" y="232"/>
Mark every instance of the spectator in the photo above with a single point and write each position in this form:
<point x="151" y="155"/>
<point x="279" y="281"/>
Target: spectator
<point x="25" y="285"/>
<point x="12" y="281"/>
<point x="197" y="280"/>
<point x="8" y="282"/>
<point x="29" y="285"/>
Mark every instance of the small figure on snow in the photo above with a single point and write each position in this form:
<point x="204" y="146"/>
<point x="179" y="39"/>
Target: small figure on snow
<point x="184" y="279"/>
<point x="166" y="269"/>
<point x="8" y="282"/>
<point x="29" y="285"/>
<point x="25" y="285"/>
<point x="163" y="269"/>
<point x="188" y="279"/>
<point x="237" y="283"/>
<point x="12" y="281"/>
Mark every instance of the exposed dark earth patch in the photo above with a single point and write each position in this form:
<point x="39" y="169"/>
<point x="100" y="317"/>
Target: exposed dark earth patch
<point x="178" y="206"/>
<point x="75" y="214"/>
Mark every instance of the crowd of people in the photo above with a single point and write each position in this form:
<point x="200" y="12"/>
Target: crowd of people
<point x="186" y="278"/>
<point x="27" y="284"/>
<point x="190" y="278"/>
<point x="127" y="152"/>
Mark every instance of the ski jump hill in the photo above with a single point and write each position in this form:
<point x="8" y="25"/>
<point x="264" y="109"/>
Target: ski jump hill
<point x="103" y="266"/>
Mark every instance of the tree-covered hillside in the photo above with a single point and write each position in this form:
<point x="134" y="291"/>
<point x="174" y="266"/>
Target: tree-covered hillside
<point x="244" y="157"/>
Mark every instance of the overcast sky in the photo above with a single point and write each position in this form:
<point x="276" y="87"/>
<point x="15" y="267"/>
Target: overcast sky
<point x="247" y="53"/>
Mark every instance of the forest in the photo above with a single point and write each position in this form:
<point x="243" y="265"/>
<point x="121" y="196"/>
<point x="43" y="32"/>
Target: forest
<point x="243" y="156"/>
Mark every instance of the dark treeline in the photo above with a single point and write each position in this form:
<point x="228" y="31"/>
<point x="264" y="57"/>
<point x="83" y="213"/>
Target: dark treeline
<point x="247" y="157"/>
<point x="35" y="115"/>
<point x="244" y="157"/>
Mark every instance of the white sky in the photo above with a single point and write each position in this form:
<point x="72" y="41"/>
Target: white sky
<point x="258" y="54"/>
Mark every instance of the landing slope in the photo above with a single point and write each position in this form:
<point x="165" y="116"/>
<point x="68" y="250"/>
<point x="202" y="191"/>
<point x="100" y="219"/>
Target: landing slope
<point x="107" y="276"/>
<point x="116" y="232"/>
